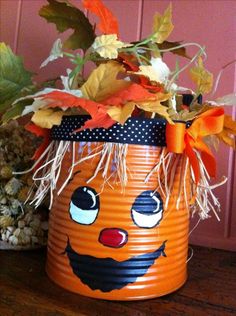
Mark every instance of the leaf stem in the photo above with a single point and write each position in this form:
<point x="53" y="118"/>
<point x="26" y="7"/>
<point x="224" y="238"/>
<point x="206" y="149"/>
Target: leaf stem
<point x="144" y="58"/>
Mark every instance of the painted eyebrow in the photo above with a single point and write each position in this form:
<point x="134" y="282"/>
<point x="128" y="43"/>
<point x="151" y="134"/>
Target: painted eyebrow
<point x="74" y="174"/>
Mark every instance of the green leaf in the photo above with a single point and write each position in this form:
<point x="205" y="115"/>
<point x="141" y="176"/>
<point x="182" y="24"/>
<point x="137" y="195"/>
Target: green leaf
<point x="66" y="16"/>
<point x="14" y="78"/>
<point x="15" y="111"/>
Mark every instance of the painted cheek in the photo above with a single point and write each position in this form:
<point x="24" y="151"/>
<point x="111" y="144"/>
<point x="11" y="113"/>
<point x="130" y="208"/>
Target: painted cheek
<point x="113" y="237"/>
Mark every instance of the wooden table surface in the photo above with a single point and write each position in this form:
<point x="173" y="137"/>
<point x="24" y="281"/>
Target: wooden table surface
<point x="25" y="290"/>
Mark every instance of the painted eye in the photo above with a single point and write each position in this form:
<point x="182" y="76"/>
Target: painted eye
<point x="84" y="205"/>
<point x="147" y="209"/>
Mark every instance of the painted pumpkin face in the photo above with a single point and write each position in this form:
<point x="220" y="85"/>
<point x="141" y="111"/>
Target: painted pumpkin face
<point x="113" y="241"/>
<point x="104" y="273"/>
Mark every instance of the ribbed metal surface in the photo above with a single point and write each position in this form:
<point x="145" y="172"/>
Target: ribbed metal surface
<point x="137" y="270"/>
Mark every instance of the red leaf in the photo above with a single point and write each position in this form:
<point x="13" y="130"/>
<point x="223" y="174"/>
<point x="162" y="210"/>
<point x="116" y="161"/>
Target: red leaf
<point x="100" y="118"/>
<point x="37" y="130"/>
<point x="62" y="99"/>
<point x="134" y="92"/>
<point x="108" y="22"/>
<point x="67" y="100"/>
<point x="145" y="82"/>
<point x="40" y="150"/>
<point x="128" y="61"/>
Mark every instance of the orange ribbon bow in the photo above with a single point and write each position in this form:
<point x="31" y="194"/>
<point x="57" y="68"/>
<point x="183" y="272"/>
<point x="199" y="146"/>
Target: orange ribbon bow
<point x="180" y="139"/>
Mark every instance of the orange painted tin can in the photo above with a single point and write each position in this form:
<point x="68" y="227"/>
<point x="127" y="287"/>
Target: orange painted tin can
<point x="116" y="243"/>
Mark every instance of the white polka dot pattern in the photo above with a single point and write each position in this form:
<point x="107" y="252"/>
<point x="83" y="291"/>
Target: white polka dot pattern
<point x="139" y="131"/>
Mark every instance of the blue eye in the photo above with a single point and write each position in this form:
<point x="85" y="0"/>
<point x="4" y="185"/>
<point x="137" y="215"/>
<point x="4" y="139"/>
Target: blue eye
<point x="84" y="205"/>
<point x="147" y="209"/>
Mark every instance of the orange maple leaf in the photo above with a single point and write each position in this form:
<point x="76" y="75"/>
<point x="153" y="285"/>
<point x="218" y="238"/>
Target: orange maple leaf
<point x="130" y="64"/>
<point x="101" y="119"/>
<point x="134" y="92"/>
<point x="36" y="130"/>
<point x="108" y="22"/>
<point x="98" y="112"/>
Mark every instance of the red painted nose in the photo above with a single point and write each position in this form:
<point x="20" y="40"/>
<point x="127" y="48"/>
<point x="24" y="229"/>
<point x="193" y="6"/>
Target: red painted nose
<point x="113" y="237"/>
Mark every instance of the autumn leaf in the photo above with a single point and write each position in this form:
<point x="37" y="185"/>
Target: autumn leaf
<point x="36" y="130"/>
<point x="148" y="72"/>
<point x="162" y="25"/>
<point x="100" y="119"/>
<point x="107" y="46"/>
<point x="155" y="106"/>
<point x="184" y="115"/>
<point x="129" y="61"/>
<point x="65" y="100"/>
<point x="31" y="103"/>
<point x="121" y="114"/>
<point x="108" y="22"/>
<point x="157" y="71"/>
<point x="124" y="103"/>
<point x="227" y="137"/>
<point x="180" y="51"/>
<point x="201" y="77"/>
<point x="47" y="118"/>
<point x="15" y="111"/>
<point x="102" y="82"/>
<point x="66" y="17"/>
<point x="229" y="132"/>
<point x="15" y="80"/>
<point x="134" y="92"/>
<point x="230" y="124"/>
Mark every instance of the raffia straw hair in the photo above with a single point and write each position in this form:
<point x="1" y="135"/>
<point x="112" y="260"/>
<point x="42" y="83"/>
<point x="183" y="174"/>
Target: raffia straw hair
<point x="46" y="176"/>
<point x="204" y="200"/>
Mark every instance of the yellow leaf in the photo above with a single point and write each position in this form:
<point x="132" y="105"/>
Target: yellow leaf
<point x="107" y="46"/>
<point x="229" y="132"/>
<point x="230" y="124"/>
<point x="162" y="25"/>
<point x="46" y="118"/>
<point x="226" y="137"/>
<point x="102" y="82"/>
<point x="201" y="77"/>
<point x="158" y="71"/>
<point x="121" y="114"/>
<point x="147" y="71"/>
<point x="155" y="106"/>
<point x="184" y="115"/>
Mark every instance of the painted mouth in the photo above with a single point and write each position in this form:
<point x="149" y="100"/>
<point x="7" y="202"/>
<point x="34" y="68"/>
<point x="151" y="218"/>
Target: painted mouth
<point x="107" y="274"/>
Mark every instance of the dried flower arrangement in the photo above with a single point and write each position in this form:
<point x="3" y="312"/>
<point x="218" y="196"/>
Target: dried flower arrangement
<point x="20" y="226"/>
<point x="130" y="80"/>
